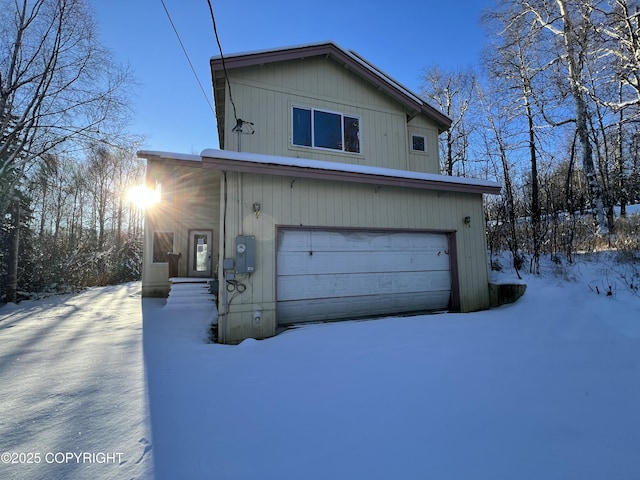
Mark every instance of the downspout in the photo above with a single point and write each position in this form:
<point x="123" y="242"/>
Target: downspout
<point x="221" y="279"/>
<point x="240" y="218"/>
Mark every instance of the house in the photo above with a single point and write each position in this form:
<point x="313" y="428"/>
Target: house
<point x="324" y="202"/>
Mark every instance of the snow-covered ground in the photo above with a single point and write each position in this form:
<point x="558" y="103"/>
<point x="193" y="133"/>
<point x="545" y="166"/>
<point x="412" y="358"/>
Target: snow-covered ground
<point x="630" y="209"/>
<point x="72" y="382"/>
<point x="546" y="388"/>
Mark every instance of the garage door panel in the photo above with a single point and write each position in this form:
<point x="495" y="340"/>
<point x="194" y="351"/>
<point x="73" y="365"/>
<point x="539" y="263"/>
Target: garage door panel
<point x="357" y="241"/>
<point x="357" y="284"/>
<point x="292" y="263"/>
<point x="344" y="274"/>
<point x="315" y="310"/>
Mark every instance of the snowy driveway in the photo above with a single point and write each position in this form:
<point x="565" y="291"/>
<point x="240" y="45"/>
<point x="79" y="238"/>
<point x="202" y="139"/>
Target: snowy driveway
<point x="73" y="390"/>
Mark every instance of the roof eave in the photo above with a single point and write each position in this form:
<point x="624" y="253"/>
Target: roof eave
<point x="170" y="157"/>
<point x="219" y="85"/>
<point x="230" y="165"/>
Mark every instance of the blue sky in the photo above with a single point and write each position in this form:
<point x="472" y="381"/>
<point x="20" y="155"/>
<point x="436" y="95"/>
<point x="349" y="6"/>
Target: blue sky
<point x="400" y="37"/>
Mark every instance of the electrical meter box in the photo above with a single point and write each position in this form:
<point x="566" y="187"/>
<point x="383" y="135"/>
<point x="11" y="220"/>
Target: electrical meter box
<point x="245" y="254"/>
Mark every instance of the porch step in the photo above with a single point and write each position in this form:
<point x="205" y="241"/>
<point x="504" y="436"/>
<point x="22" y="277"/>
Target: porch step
<point x="190" y="293"/>
<point x="181" y="280"/>
<point x="181" y="290"/>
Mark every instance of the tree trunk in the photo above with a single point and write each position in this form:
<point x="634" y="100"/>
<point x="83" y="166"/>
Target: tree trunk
<point x="449" y="166"/>
<point x="622" y="188"/>
<point x="119" y="220"/>
<point x="570" y="203"/>
<point x="535" y="194"/>
<point x="14" y="250"/>
<point x="582" y="129"/>
<point x="43" y="207"/>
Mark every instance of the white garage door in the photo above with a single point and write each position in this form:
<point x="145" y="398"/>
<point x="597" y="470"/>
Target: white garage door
<point x="325" y="275"/>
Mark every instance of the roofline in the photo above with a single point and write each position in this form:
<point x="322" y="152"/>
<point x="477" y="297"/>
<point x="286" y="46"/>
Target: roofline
<point x="183" y="158"/>
<point x="230" y="161"/>
<point x="339" y="176"/>
<point x="350" y="59"/>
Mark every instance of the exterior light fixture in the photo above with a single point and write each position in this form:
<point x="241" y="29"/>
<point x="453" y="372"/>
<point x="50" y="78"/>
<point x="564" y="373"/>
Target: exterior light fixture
<point x="256" y="209"/>
<point x="467" y="220"/>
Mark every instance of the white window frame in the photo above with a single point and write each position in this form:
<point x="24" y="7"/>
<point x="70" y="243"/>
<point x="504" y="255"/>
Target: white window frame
<point x="313" y="140"/>
<point x="424" y="139"/>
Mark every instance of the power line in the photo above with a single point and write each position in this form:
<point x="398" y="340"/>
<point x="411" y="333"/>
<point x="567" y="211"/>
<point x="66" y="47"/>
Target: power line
<point x="186" y="54"/>
<point x="224" y="67"/>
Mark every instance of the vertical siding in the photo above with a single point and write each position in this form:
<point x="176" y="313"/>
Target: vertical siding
<point x="190" y="201"/>
<point x="305" y="202"/>
<point x="265" y="94"/>
<point x="429" y="161"/>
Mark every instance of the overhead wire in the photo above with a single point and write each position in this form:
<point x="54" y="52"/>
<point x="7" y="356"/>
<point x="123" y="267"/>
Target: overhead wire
<point x="186" y="54"/>
<point x="239" y="122"/>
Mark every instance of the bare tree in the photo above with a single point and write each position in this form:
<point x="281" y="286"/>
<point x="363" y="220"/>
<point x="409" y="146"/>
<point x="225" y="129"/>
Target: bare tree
<point x="569" y="22"/>
<point x="100" y="174"/>
<point x="519" y="68"/>
<point x="57" y="85"/>
<point x="498" y="140"/>
<point x="453" y="93"/>
<point x="618" y="33"/>
<point x="56" y="82"/>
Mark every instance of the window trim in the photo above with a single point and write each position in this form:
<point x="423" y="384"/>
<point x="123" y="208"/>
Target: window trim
<point x="342" y="115"/>
<point x="424" y="139"/>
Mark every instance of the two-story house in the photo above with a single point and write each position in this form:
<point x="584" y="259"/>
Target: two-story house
<point x="324" y="201"/>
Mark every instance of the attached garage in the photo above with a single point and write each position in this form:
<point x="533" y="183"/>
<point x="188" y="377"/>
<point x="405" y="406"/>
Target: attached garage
<point x="338" y="241"/>
<point x="348" y="273"/>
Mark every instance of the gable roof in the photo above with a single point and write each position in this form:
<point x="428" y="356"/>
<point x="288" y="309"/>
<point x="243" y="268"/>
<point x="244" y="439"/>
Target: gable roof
<point x="348" y="58"/>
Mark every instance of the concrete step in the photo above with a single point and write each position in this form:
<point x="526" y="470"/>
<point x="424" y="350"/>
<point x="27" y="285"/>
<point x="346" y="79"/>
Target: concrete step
<point x="188" y="293"/>
<point x="191" y="293"/>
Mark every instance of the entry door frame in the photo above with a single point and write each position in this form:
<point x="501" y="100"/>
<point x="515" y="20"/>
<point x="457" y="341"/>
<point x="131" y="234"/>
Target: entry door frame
<point x="192" y="250"/>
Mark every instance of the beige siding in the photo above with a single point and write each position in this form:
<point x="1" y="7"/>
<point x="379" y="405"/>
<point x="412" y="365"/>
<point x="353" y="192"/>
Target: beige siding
<point x="429" y="160"/>
<point x="305" y="202"/>
<point x="264" y="95"/>
<point x="190" y="201"/>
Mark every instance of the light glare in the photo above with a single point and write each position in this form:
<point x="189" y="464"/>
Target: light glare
<point x="143" y="197"/>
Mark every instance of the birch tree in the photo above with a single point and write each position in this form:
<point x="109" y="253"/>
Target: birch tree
<point x="569" y="23"/>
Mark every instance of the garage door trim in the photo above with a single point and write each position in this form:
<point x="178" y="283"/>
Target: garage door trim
<point x="450" y="235"/>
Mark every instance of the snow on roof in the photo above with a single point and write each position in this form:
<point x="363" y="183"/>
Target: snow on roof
<point x="169" y="155"/>
<point x="343" y="167"/>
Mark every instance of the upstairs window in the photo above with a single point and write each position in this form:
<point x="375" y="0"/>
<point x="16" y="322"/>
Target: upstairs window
<point x="418" y="143"/>
<point x="322" y="129"/>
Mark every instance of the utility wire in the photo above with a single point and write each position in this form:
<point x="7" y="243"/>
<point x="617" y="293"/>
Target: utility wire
<point x="224" y="67"/>
<point x="186" y="54"/>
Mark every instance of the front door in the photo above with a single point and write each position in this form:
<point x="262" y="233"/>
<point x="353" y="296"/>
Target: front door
<point x="200" y="253"/>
